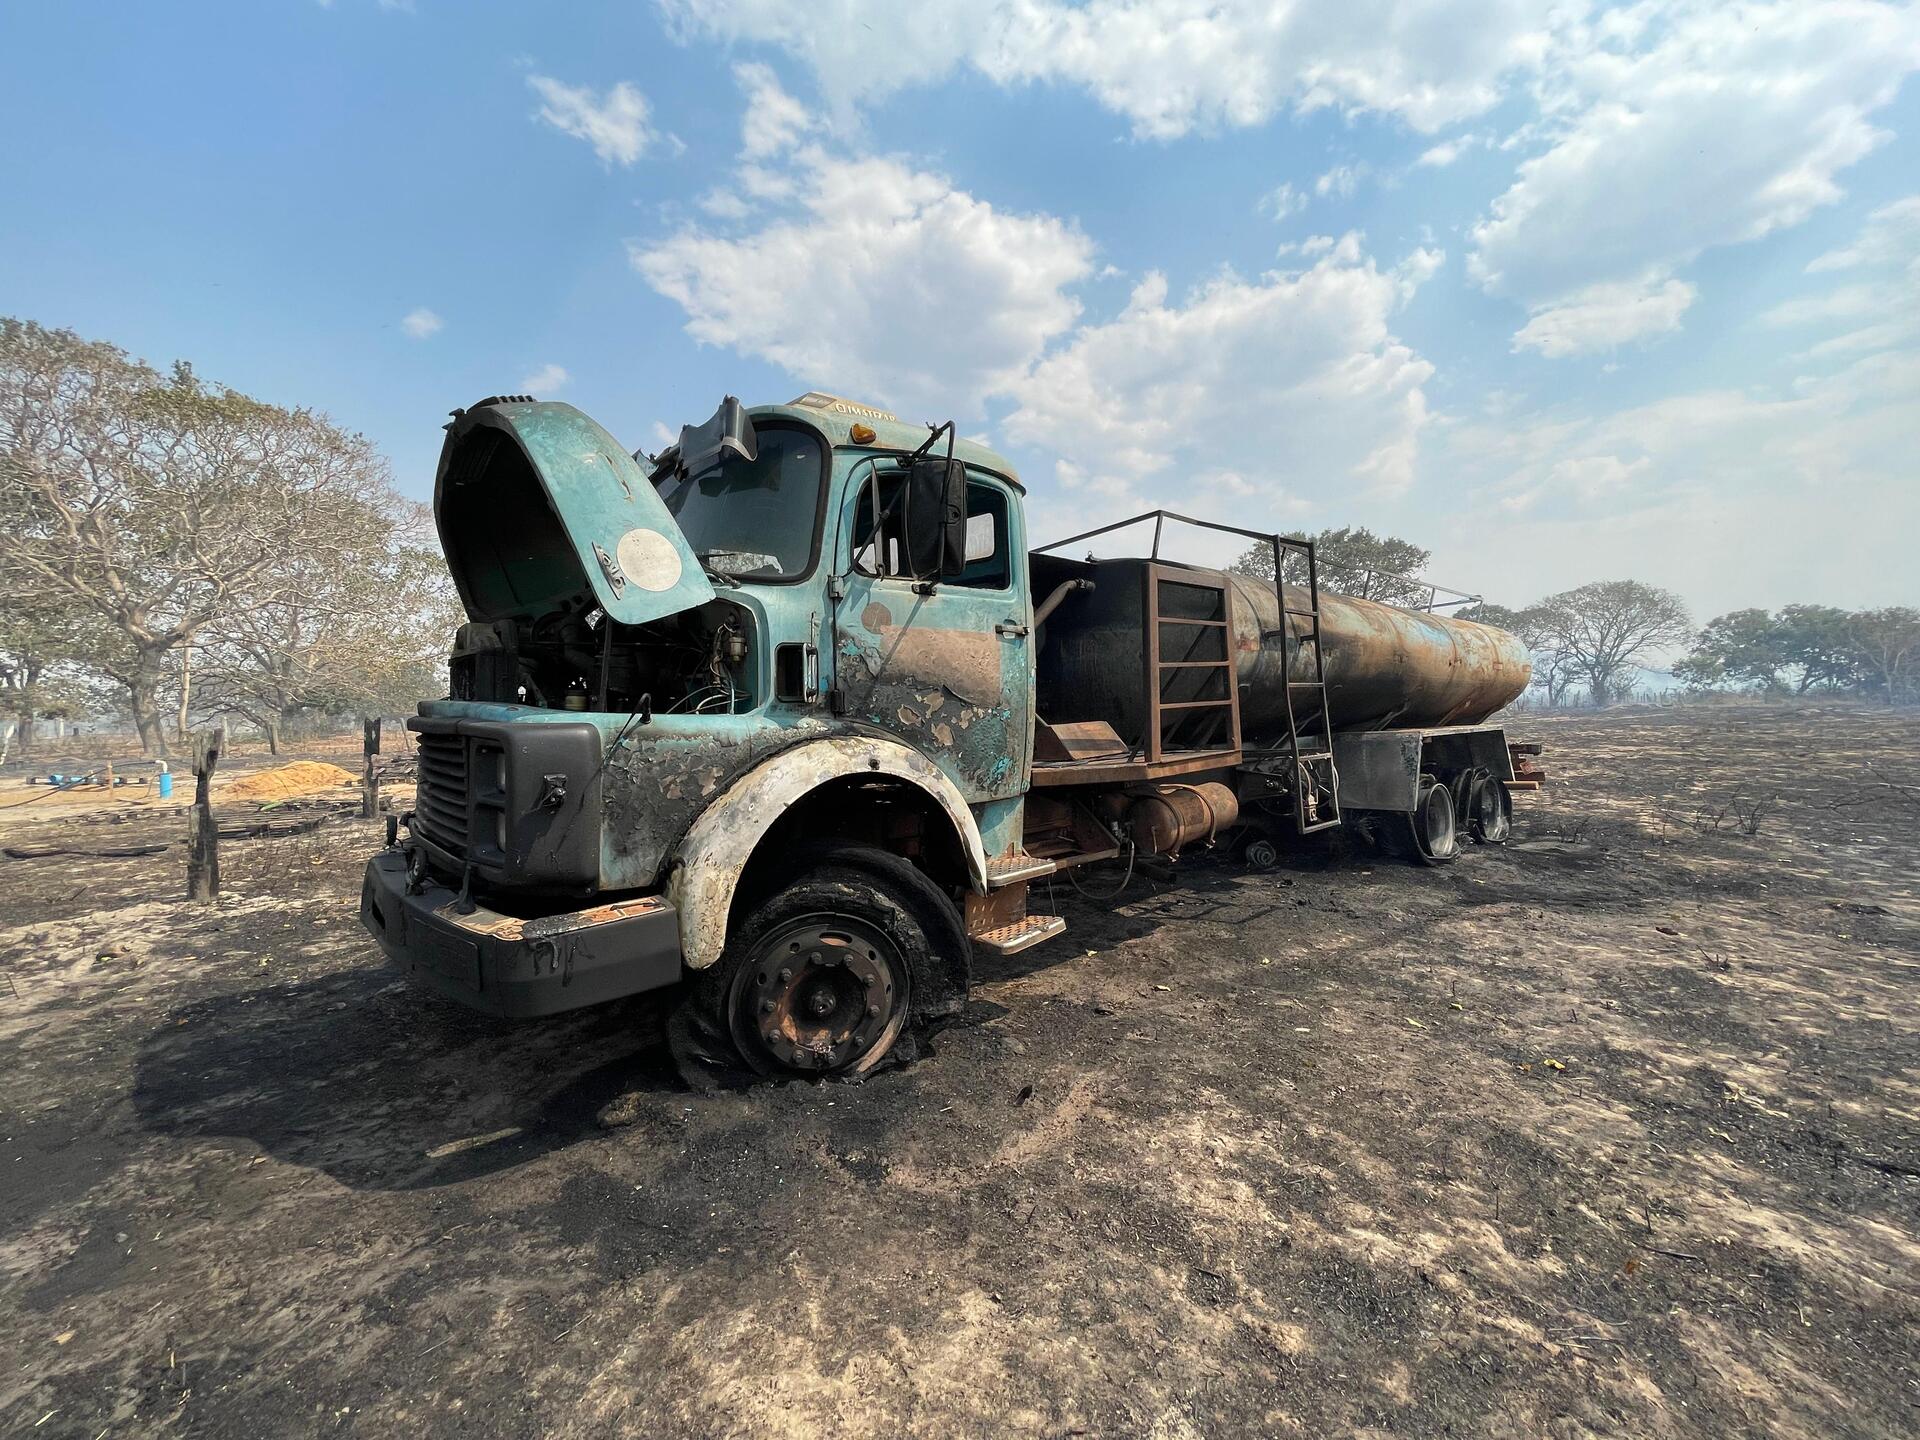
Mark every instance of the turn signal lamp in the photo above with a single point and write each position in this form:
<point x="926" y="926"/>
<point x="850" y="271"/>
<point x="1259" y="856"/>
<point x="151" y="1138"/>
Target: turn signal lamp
<point x="861" y="434"/>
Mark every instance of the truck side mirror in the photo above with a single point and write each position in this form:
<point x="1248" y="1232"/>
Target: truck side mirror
<point x="936" y="518"/>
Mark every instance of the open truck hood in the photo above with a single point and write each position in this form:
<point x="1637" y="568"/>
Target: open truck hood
<point x="537" y="504"/>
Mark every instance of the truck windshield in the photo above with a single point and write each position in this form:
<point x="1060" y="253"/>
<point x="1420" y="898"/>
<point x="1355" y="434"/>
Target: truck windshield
<point x="755" y="519"/>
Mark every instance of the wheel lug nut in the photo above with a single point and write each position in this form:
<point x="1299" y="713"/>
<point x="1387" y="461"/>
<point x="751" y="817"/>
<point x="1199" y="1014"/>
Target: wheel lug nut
<point x="873" y="1012"/>
<point x="766" y="1007"/>
<point x="786" y="975"/>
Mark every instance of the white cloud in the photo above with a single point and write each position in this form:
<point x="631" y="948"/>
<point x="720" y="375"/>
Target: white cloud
<point x="725" y="205"/>
<point x="1845" y="302"/>
<point x="867" y="275"/>
<point x="1341" y="180"/>
<point x="1730" y="497"/>
<point x="549" y="379"/>
<point x="1672" y="130"/>
<point x="885" y="280"/>
<point x="1283" y="200"/>
<point x="1605" y="317"/>
<point x="421" y="323"/>
<point x="773" y="119"/>
<point x="614" y="124"/>
<point x="1247" y="387"/>
<point x="1311" y="246"/>
<point x="1167" y="65"/>
<point x="1885" y="260"/>
<point x="1447" y="151"/>
<point x="1891" y="236"/>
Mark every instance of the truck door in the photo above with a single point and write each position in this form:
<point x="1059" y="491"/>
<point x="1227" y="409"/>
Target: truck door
<point x="947" y="666"/>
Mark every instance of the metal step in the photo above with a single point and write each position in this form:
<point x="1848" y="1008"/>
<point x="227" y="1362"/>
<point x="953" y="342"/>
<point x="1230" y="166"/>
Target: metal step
<point x="1021" y="934"/>
<point x="1012" y="869"/>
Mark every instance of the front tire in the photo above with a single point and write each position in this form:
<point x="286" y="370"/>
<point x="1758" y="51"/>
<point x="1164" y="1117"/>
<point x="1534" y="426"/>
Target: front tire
<point x="823" y="978"/>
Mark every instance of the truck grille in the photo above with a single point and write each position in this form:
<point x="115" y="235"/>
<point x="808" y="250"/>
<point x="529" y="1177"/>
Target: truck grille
<point x="440" y="806"/>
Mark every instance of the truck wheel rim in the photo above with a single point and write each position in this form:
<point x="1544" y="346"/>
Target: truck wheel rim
<point x="823" y="995"/>
<point x="1434" y="833"/>
<point x="1492" y="813"/>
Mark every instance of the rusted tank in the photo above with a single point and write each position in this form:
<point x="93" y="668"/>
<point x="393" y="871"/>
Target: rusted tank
<point x="1165" y="818"/>
<point x="1385" y="666"/>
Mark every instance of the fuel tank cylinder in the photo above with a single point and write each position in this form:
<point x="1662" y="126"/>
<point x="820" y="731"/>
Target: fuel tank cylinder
<point x="1164" y="819"/>
<point x="1385" y="666"/>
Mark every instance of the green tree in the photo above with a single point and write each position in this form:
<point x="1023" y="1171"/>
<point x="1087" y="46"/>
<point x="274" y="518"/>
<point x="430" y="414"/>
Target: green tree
<point x="1817" y="641"/>
<point x="1743" y="646"/>
<point x="1886" y="644"/>
<point x="38" y="645"/>
<point x="1799" y="648"/>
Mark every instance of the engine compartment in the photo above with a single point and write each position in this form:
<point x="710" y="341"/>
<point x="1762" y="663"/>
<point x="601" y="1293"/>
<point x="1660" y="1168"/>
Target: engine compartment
<point x="574" y="657"/>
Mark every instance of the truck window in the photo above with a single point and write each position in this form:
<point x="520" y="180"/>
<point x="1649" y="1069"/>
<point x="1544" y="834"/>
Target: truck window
<point x="757" y="519"/>
<point x="987" y="551"/>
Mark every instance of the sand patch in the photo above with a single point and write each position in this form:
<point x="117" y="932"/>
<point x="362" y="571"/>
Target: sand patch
<point x="285" y="782"/>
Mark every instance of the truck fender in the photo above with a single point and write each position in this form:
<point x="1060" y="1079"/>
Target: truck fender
<point x="717" y="847"/>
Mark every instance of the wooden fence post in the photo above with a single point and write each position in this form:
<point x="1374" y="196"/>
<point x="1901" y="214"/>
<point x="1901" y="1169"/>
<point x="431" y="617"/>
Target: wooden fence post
<point x="203" y="838"/>
<point x="369" y="782"/>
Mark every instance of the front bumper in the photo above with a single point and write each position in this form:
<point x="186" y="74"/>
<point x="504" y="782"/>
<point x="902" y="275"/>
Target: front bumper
<point x="509" y="966"/>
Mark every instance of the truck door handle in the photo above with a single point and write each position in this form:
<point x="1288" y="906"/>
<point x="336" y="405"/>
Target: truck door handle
<point x="1010" y="629"/>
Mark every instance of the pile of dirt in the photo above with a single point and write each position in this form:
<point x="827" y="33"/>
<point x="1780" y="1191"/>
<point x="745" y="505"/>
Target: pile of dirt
<point x="283" y="782"/>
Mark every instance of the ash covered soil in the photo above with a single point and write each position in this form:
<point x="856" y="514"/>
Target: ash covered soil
<point x="1614" y="1132"/>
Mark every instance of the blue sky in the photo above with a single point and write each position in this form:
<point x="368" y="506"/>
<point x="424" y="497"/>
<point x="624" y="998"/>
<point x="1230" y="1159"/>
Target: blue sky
<point x="1561" y="292"/>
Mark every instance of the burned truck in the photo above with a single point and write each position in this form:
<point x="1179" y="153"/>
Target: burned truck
<point x="790" y="718"/>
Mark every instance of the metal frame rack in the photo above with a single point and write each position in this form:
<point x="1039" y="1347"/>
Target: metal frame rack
<point x="1308" y="748"/>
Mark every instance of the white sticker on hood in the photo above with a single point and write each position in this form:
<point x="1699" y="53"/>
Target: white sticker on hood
<point x="649" y="559"/>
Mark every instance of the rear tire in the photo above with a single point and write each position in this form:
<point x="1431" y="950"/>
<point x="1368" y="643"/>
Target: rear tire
<point x="825" y="976"/>
<point x="1490" y="814"/>
<point x="1435" y="834"/>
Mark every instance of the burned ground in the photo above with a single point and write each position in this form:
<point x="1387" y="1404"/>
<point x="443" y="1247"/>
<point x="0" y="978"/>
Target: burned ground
<point x="1612" y="1133"/>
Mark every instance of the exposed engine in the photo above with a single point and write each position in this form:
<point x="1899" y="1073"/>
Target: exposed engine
<point x="575" y="658"/>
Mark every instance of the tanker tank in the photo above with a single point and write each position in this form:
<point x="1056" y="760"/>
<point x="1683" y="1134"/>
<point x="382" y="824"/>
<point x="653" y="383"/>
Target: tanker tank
<point x="1385" y="667"/>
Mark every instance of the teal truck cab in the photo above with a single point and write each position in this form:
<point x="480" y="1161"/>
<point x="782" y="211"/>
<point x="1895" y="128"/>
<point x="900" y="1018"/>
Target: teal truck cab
<point x="772" y="717"/>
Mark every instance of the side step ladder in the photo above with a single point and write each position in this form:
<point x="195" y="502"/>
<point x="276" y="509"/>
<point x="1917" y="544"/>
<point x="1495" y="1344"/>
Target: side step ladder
<point x="1316" y="783"/>
<point x="1022" y="934"/>
<point x="998" y="922"/>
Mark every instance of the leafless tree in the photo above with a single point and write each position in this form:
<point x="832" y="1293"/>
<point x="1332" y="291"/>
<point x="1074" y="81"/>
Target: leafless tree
<point x="1354" y="561"/>
<point x="359" y="626"/>
<point x="1605" y="629"/>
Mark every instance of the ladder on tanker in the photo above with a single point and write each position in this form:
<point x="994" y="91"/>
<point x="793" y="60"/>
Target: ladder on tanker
<point x="1316" y="781"/>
